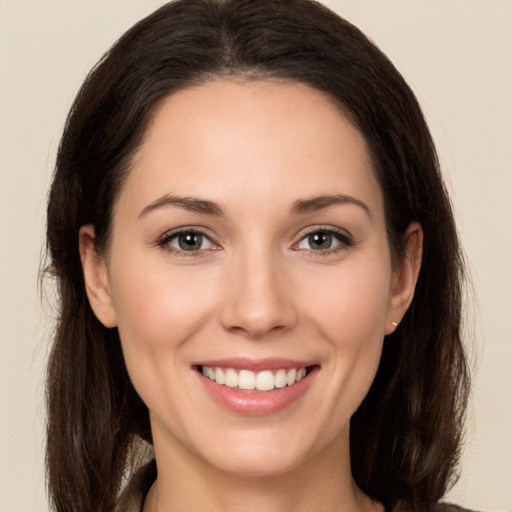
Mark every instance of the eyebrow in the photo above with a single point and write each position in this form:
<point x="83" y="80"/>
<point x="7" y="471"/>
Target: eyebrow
<point x="321" y="202"/>
<point x="192" y="204"/>
<point x="301" y="206"/>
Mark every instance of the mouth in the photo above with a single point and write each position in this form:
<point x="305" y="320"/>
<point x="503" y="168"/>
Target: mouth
<point x="256" y="388"/>
<point x="247" y="380"/>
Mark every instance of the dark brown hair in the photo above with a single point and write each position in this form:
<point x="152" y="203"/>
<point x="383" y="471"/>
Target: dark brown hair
<point x="406" y="434"/>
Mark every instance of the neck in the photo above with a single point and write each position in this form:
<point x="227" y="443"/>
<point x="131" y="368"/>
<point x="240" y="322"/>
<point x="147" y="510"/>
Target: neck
<point x="323" y="483"/>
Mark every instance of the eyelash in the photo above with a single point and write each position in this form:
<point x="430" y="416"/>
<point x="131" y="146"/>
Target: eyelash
<point x="343" y="237"/>
<point x="168" y="237"/>
<point x="345" y="241"/>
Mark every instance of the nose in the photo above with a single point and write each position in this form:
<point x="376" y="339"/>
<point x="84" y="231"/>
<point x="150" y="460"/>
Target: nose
<point x="259" y="297"/>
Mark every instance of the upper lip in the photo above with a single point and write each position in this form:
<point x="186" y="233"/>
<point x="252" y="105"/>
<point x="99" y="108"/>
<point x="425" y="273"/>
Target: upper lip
<point x="255" y="365"/>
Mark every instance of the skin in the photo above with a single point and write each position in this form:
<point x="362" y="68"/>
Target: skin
<point x="256" y="288"/>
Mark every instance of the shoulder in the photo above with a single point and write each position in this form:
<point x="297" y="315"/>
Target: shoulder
<point x="437" y="507"/>
<point x="133" y="495"/>
<point x="450" y="507"/>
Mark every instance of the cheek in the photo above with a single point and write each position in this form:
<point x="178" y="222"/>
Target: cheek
<point x="157" y="310"/>
<point x="156" y="301"/>
<point x="351" y="306"/>
<point x="349" y="311"/>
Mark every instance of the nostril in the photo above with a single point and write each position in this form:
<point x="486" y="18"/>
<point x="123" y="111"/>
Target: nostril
<point x="258" y="308"/>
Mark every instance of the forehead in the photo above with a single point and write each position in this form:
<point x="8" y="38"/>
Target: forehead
<point x="231" y="139"/>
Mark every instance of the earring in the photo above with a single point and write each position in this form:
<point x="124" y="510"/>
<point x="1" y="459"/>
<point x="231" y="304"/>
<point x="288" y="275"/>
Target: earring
<point x="394" y="324"/>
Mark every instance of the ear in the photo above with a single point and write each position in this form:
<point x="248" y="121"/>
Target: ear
<point x="405" y="277"/>
<point x="96" y="277"/>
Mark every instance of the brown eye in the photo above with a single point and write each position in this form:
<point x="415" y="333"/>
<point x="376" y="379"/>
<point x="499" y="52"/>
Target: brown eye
<point x="325" y="240"/>
<point x="321" y="240"/>
<point x="187" y="241"/>
<point x="190" y="241"/>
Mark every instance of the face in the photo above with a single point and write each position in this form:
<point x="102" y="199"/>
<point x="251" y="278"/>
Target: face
<point x="249" y="275"/>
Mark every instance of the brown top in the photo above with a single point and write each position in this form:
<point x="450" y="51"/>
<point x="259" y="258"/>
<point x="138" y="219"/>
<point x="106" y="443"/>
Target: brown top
<point x="134" y="494"/>
<point x="132" y="498"/>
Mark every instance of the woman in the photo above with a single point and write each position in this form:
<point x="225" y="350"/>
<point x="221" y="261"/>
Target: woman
<point x="258" y="270"/>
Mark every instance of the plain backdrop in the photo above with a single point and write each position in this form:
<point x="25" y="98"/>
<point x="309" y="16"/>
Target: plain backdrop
<point x="456" y="55"/>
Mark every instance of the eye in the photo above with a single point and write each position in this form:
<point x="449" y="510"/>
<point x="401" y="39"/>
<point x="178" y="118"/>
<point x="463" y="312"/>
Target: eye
<point x="187" y="241"/>
<point x="324" y="240"/>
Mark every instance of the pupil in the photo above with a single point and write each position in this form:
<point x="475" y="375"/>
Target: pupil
<point x="320" y="240"/>
<point x="190" y="241"/>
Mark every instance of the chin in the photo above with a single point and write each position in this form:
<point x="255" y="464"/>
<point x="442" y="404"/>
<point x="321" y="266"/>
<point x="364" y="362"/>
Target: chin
<point x="261" y="455"/>
<point x="258" y="466"/>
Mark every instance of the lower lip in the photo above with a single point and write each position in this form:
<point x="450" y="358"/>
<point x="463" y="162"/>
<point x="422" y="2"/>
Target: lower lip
<point x="257" y="403"/>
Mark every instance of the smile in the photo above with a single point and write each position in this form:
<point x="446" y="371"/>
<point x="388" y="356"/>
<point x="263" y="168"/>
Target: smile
<point x="256" y="387"/>
<point x="247" y="380"/>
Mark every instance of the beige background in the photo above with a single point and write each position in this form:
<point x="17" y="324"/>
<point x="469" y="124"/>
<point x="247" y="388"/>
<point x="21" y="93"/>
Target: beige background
<point x="456" y="54"/>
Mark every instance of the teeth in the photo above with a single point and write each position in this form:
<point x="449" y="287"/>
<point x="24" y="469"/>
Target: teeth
<point x="246" y="379"/>
<point x="265" y="380"/>
<point x="290" y="376"/>
<point x="219" y="376"/>
<point x="280" y="379"/>
<point x="230" y="378"/>
<point x="301" y="373"/>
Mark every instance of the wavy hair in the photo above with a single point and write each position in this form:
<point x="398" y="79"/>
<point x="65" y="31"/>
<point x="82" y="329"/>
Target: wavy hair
<point x="405" y="436"/>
